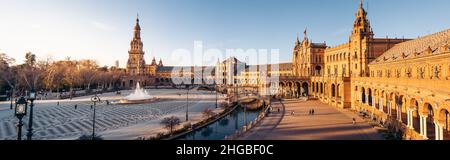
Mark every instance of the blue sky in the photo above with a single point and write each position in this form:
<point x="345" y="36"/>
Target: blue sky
<point x="102" y="29"/>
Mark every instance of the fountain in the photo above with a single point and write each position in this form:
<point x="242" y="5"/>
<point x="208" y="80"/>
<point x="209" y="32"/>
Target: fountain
<point x="139" y="96"/>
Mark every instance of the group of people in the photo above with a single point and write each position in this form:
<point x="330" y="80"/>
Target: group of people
<point x="311" y="112"/>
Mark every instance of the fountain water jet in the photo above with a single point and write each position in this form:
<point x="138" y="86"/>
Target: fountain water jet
<point x="139" y="96"/>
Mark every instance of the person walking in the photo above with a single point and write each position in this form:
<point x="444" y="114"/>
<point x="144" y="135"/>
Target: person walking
<point x="354" y="121"/>
<point x="76" y="106"/>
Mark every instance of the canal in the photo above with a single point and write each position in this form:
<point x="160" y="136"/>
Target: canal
<point x="223" y="127"/>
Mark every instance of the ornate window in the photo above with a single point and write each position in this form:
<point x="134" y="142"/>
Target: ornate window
<point x="409" y="72"/>
<point x="436" y="71"/>
<point x="421" y="73"/>
<point x="398" y="73"/>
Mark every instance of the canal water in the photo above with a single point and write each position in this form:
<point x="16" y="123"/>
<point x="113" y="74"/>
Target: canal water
<point x="223" y="127"/>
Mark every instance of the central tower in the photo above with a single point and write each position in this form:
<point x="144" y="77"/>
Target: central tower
<point x="136" y="62"/>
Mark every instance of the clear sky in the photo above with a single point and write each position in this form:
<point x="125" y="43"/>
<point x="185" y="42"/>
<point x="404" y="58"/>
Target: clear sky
<point x="102" y="29"/>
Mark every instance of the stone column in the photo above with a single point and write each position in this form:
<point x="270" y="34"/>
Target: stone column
<point x="367" y="98"/>
<point x="380" y="104"/>
<point x="388" y="105"/>
<point x="424" y="126"/>
<point x="421" y="124"/>
<point x="439" y="131"/>
<point x="436" y="130"/>
<point x="409" y="117"/>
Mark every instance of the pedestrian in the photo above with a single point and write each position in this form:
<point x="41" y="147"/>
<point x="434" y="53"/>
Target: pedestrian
<point x="76" y="106"/>
<point x="354" y="121"/>
<point x="91" y="107"/>
<point x="57" y="103"/>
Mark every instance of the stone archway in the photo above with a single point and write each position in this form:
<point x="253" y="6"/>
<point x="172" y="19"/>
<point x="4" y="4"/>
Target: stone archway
<point x="382" y="102"/>
<point x="305" y="87"/>
<point x="318" y="70"/>
<point x="313" y="87"/>
<point x="401" y="109"/>
<point x="430" y="126"/>
<point x="333" y="90"/>
<point x="390" y="103"/>
<point x="298" y="90"/>
<point x="444" y="119"/>
<point x="370" y="97"/>
<point x="321" y="88"/>
<point x="338" y="91"/>
<point x="363" y="95"/>
<point x="414" y="106"/>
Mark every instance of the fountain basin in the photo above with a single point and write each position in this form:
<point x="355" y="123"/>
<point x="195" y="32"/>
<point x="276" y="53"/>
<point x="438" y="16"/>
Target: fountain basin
<point x="141" y="101"/>
<point x="139" y="96"/>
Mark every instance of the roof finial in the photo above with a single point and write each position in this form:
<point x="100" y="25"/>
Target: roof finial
<point x="306" y="32"/>
<point x="137" y="17"/>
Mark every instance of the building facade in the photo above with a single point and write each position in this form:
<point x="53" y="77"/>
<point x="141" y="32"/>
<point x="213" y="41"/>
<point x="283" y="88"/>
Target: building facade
<point x="155" y="73"/>
<point x="398" y="82"/>
<point x="403" y="83"/>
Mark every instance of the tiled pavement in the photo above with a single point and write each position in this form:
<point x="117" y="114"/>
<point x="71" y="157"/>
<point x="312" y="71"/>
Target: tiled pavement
<point x="328" y="123"/>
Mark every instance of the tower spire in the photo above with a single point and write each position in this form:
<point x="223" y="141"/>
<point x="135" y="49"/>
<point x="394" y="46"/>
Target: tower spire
<point x="306" y="32"/>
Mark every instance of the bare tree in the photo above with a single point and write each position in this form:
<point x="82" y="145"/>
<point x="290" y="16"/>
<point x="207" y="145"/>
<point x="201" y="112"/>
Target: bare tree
<point x="208" y="112"/>
<point x="87" y="72"/>
<point x="7" y="72"/>
<point x="171" y="122"/>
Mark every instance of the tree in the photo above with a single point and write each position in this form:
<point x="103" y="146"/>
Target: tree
<point x="7" y="72"/>
<point x="29" y="75"/>
<point x="171" y="122"/>
<point x="87" y="72"/>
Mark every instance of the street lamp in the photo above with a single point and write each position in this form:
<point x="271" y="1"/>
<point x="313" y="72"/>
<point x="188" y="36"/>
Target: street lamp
<point x="31" y="98"/>
<point x="20" y="112"/>
<point x="11" y="98"/>
<point x="216" y="94"/>
<point x="7" y="95"/>
<point x="187" y="103"/>
<point x="94" y="99"/>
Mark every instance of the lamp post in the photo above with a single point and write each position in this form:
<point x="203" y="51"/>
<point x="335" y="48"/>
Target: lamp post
<point x="11" y="98"/>
<point x="20" y="112"/>
<point x="94" y="99"/>
<point x="187" y="103"/>
<point x="31" y="98"/>
<point x="7" y="96"/>
<point x="216" y="95"/>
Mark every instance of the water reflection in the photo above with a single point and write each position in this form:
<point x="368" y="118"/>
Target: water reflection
<point x="221" y="128"/>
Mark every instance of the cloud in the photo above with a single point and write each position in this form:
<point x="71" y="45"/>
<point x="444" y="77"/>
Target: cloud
<point x="102" y="26"/>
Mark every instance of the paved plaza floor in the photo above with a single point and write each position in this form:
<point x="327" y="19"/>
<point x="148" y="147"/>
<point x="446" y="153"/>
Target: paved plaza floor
<point x="121" y="122"/>
<point x="328" y="123"/>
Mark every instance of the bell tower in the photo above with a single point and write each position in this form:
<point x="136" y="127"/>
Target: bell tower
<point x="362" y="34"/>
<point x="136" y="62"/>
